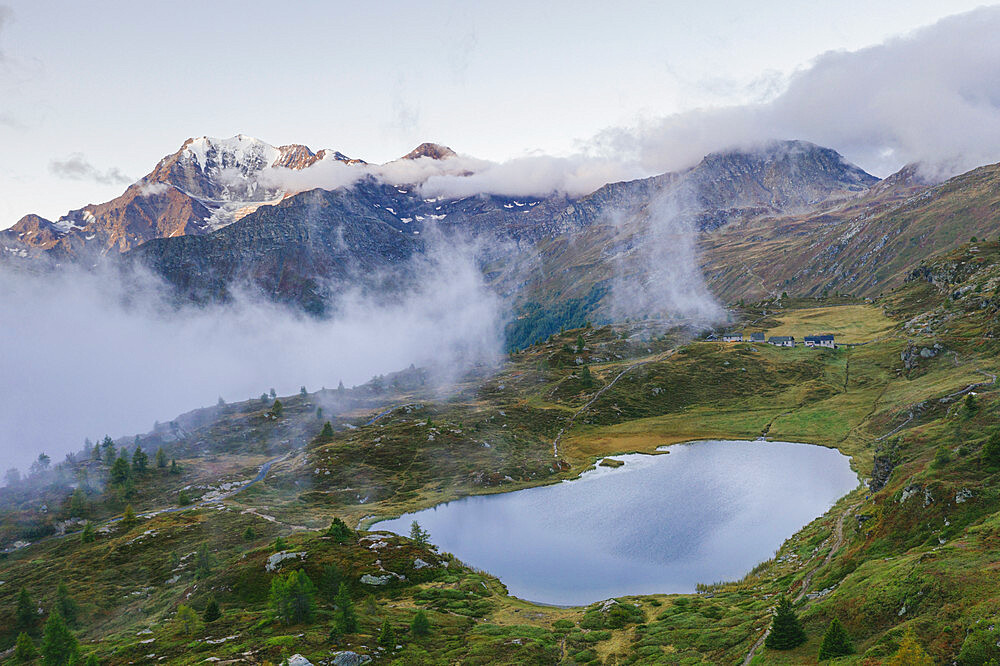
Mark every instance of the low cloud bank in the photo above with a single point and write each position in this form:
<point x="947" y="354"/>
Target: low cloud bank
<point x="930" y="96"/>
<point x="86" y="354"/>
<point x="462" y="176"/>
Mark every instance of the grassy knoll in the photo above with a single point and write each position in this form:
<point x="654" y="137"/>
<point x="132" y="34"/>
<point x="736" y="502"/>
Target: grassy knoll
<point x="849" y="323"/>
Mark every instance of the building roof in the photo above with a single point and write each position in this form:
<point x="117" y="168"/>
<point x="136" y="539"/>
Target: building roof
<point x="781" y="338"/>
<point x="818" y="338"/>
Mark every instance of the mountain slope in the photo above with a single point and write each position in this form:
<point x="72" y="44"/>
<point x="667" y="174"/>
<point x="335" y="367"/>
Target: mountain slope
<point x="863" y="250"/>
<point x="207" y="184"/>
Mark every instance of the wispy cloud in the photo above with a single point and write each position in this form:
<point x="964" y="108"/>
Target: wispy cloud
<point x="76" y="167"/>
<point x="930" y="96"/>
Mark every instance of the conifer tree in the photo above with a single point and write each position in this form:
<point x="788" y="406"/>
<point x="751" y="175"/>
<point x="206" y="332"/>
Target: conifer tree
<point x="910" y="653"/>
<point x="67" y="606"/>
<point x="78" y="502"/>
<point x="836" y="643"/>
<point x="119" y="471"/>
<point x="420" y="626"/>
<point x="59" y="646"/>
<point x="991" y="450"/>
<point x="293" y="598"/>
<point x="212" y="612"/>
<point x="128" y="518"/>
<point x="386" y="635"/>
<point x="87" y="535"/>
<point x="203" y="561"/>
<point x="161" y="458"/>
<point x="339" y="530"/>
<point x="579" y="344"/>
<point x="140" y="461"/>
<point x="277" y="409"/>
<point x="345" y="617"/>
<point x="186" y="619"/>
<point x="26" y="615"/>
<point x="24" y="649"/>
<point x="303" y="392"/>
<point x="329" y="583"/>
<point x="419" y="536"/>
<point x="327" y="431"/>
<point x="786" y="630"/>
<point x="249" y="534"/>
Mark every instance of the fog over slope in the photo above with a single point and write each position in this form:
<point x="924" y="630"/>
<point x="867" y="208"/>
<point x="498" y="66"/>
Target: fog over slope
<point x="88" y="353"/>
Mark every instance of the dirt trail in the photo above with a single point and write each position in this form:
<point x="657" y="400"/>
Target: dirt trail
<point x="837" y="541"/>
<point x="593" y="398"/>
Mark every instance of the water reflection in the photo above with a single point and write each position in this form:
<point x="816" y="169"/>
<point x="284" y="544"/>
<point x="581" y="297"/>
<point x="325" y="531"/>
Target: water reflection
<point x="708" y="511"/>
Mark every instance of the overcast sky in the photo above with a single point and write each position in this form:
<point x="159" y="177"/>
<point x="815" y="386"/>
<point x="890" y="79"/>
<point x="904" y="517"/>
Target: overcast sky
<point x="106" y="89"/>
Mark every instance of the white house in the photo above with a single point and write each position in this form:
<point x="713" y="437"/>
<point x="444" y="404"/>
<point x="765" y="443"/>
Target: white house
<point x="781" y="341"/>
<point x="756" y="337"/>
<point x="825" y="340"/>
<point x="732" y="337"/>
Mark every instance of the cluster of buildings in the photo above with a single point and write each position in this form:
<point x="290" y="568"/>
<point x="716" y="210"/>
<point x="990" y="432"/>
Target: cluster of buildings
<point x="824" y="340"/>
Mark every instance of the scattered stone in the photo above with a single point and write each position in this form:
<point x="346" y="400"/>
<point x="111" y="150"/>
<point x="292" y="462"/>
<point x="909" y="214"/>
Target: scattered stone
<point x="348" y="658"/>
<point x="298" y="660"/>
<point x="274" y="560"/>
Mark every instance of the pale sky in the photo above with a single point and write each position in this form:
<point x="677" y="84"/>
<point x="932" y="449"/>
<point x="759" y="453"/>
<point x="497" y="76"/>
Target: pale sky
<point x="124" y="83"/>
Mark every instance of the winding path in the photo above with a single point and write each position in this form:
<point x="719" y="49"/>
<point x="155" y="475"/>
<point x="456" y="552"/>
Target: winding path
<point x="598" y="394"/>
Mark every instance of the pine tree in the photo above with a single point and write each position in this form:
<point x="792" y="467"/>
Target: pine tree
<point x="26" y="615"/>
<point x="910" y="653"/>
<point x="971" y="405"/>
<point x="386" y="635"/>
<point x="419" y="536"/>
<point x="128" y="518"/>
<point x="327" y="431"/>
<point x="293" y="598"/>
<point x="161" y="458"/>
<point x="87" y="535"/>
<point x="119" y="471"/>
<point x="786" y="630"/>
<point x="329" y="582"/>
<point x="67" y="606"/>
<point x="203" y="561"/>
<point x="991" y="450"/>
<point x="140" y="461"/>
<point x="24" y="649"/>
<point x="279" y="544"/>
<point x="579" y="344"/>
<point x="319" y="413"/>
<point x="186" y="619"/>
<point x="340" y="387"/>
<point x="212" y="612"/>
<point x="277" y="409"/>
<point x="273" y="394"/>
<point x="586" y="378"/>
<point x="303" y="392"/>
<point x="420" y="626"/>
<point x="174" y="467"/>
<point x="345" y="618"/>
<point x="59" y="646"/>
<point x="95" y="453"/>
<point x="78" y="502"/>
<point x="183" y="499"/>
<point x="249" y="534"/>
<point x="836" y="643"/>
<point x="339" y="530"/>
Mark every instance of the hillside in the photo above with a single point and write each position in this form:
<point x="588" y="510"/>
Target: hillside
<point x="913" y="551"/>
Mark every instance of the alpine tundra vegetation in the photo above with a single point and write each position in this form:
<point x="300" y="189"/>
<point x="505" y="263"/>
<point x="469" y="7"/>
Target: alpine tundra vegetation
<point x="808" y="258"/>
